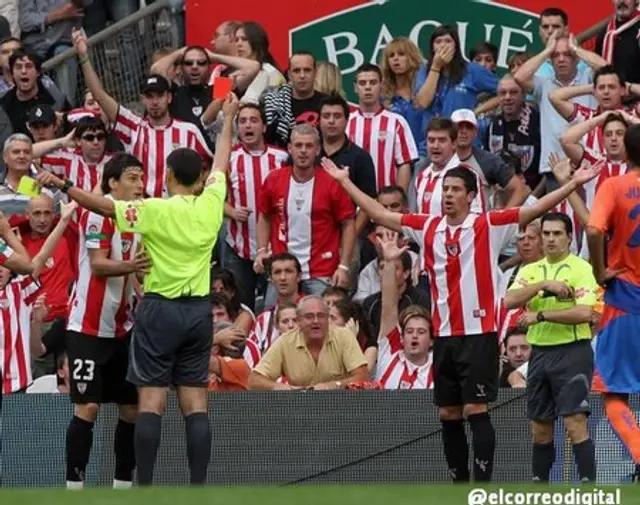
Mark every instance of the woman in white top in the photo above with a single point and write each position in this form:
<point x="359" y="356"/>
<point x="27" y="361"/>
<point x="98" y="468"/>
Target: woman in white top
<point x="252" y="42"/>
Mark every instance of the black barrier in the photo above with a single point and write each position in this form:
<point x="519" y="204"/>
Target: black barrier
<point x="303" y="437"/>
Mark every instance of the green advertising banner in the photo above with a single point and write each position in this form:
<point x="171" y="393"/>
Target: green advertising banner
<point x="354" y="36"/>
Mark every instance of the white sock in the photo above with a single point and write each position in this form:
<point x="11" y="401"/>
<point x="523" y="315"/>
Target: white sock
<point x="75" y="484"/>
<point x="122" y="484"/>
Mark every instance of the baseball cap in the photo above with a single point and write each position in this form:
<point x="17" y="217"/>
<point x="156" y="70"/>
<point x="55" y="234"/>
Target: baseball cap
<point x="155" y="83"/>
<point x="41" y="114"/>
<point x="464" y="116"/>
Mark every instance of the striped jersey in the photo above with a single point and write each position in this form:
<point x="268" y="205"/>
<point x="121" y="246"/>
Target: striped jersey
<point x="395" y="371"/>
<point x="70" y="164"/>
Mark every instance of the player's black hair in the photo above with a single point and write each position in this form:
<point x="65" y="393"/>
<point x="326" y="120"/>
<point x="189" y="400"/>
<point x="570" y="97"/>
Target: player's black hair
<point x="467" y="175"/>
<point x="186" y="166"/>
<point x="560" y="217"/>
<point x="632" y="145"/>
<point x="115" y="167"/>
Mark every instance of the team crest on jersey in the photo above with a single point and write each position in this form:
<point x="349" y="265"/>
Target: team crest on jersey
<point x="93" y="230"/>
<point x="453" y="249"/>
<point x="382" y="135"/>
<point x="4" y="303"/>
<point x="405" y="385"/>
<point x="49" y="263"/>
<point x="82" y="387"/>
<point x="126" y="246"/>
<point x="197" y="111"/>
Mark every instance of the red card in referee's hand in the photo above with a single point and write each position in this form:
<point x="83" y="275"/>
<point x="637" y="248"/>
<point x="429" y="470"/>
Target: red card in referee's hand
<point x="222" y="87"/>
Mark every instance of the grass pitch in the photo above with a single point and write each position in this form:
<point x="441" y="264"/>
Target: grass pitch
<point x="300" y="495"/>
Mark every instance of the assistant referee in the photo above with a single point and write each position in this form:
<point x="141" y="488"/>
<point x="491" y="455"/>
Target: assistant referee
<point x="173" y="329"/>
<point x="559" y="293"/>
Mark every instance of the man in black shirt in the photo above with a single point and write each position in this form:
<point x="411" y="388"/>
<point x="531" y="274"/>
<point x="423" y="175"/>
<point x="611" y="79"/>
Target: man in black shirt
<point x="517" y="129"/>
<point x="622" y="50"/>
<point x="28" y="91"/>
<point x="334" y="115"/>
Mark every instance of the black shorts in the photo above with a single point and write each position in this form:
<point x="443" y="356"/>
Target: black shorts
<point x="98" y="370"/>
<point x="559" y="380"/>
<point x="465" y="369"/>
<point x="171" y="342"/>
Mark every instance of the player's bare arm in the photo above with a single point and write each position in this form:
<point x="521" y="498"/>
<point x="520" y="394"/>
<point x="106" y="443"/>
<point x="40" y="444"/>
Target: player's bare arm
<point x="92" y="201"/>
<point x="373" y="209"/>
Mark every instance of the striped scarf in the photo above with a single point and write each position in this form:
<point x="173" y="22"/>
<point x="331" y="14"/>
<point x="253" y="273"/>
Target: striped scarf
<point x="612" y="32"/>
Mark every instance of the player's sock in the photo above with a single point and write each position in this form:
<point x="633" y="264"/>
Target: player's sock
<point x="198" y="445"/>
<point x="585" y="455"/>
<point x="456" y="450"/>
<point x="125" y="454"/>
<point x="544" y="455"/>
<point x="78" y="448"/>
<point x="484" y="446"/>
<point x="146" y="443"/>
<point x="624" y="423"/>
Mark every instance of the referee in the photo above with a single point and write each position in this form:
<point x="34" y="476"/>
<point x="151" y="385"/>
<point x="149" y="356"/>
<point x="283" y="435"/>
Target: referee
<point x="173" y="328"/>
<point x="558" y="293"/>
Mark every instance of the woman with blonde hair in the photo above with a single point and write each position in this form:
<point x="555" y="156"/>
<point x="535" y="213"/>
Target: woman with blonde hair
<point x="328" y="79"/>
<point x="401" y="62"/>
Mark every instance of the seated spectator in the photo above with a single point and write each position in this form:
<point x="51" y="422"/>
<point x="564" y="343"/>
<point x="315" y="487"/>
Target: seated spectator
<point x="286" y="318"/>
<point x="407" y="293"/>
<point x="517" y="352"/>
<point x="252" y="42"/>
<point x="53" y="383"/>
<point x="229" y="371"/>
<point x="29" y="91"/>
<point x="314" y="356"/>
<point x="404" y="355"/>
<point x="335" y="294"/>
<point x="222" y="281"/>
<point x="350" y="315"/>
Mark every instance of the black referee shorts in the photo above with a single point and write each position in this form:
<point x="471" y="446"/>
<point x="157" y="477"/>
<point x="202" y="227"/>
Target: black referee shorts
<point x="171" y="342"/>
<point x="559" y="380"/>
<point x="465" y="369"/>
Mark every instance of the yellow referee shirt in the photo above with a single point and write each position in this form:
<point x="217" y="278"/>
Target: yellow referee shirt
<point x="578" y="275"/>
<point x="178" y="235"/>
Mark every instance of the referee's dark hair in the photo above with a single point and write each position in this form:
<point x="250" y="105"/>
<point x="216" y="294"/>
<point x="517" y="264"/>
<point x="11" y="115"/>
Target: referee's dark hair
<point x="115" y="167"/>
<point x="467" y="175"/>
<point x="632" y="145"/>
<point x="186" y="166"/>
<point x="558" y="217"/>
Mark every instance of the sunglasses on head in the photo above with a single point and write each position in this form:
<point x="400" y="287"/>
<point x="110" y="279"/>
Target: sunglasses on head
<point x="191" y="63"/>
<point x="90" y="137"/>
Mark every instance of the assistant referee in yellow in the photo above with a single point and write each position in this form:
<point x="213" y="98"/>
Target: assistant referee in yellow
<point x="558" y="293"/>
<point x="173" y="329"/>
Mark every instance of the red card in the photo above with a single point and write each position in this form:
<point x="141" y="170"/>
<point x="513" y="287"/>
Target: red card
<point x="221" y="88"/>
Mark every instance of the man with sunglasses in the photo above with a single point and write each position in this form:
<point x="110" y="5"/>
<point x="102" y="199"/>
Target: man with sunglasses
<point x="80" y="159"/>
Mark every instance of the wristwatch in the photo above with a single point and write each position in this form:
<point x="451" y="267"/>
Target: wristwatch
<point x="540" y="317"/>
<point x="67" y="185"/>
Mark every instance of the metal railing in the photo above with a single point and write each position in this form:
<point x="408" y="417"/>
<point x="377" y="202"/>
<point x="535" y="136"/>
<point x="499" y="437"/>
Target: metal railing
<point x="122" y="52"/>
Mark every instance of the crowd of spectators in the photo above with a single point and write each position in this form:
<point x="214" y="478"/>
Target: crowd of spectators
<point x="419" y="113"/>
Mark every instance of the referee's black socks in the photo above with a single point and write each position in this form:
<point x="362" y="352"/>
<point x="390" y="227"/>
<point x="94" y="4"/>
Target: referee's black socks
<point x="78" y="448"/>
<point x="585" y="455"/>
<point x="456" y="450"/>
<point x="125" y="455"/>
<point x="484" y="446"/>
<point x="146" y="443"/>
<point x="198" y="445"/>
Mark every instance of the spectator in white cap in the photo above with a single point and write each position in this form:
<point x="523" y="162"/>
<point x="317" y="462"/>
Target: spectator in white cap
<point x="490" y="167"/>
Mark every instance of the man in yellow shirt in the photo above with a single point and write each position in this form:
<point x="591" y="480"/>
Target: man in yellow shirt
<point x="171" y="342"/>
<point x="559" y="293"/>
<point x="314" y="356"/>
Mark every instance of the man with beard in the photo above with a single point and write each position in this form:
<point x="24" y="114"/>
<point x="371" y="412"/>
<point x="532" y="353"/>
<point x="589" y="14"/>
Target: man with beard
<point x="150" y="138"/>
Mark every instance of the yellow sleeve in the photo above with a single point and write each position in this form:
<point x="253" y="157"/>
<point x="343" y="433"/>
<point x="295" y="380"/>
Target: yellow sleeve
<point x="586" y="289"/>
<point x="352" y="355"/>
<point x="136" y="216"/>
<point x="523" y="278"/>
<point x="211" y="201"/>
<point x="271" y="364"/>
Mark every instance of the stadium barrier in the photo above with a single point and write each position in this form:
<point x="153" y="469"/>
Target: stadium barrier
<point x="122" y="52"/>
<point x="297" y="437"/>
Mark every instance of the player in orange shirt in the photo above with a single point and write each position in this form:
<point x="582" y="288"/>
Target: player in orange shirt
<point x="613" y="234"/>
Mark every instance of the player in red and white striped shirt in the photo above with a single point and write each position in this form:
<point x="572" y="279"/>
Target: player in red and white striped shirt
<point x="404" y="353"/>
<point x="460" y="253"/>
<point x="251" y="161"/>
<point x="100" y="323"/>
<point x="385" y="135"/>
<point x="150" y="138"/>
<point x="83" y="164"/>
<point x="284" y="275"/>
<point x="305" y="212"/>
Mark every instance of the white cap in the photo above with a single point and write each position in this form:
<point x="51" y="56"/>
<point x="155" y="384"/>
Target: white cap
<point x="464" y="116"/>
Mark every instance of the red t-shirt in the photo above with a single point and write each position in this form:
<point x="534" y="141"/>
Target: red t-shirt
<point x="59" y="271"/>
